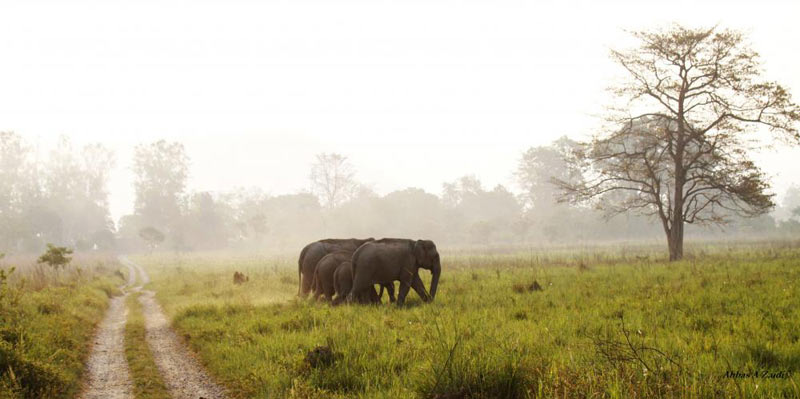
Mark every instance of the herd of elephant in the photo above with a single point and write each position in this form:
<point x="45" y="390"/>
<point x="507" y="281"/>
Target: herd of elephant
<point x="350" y="269"/>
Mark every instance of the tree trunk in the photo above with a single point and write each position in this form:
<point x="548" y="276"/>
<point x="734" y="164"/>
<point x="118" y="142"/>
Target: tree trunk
<point x="675" y="242"/>
<point x="676" y="232"/>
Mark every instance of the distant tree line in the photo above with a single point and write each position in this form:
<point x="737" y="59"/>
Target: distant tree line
<point x="63" y="199"/>
<point x="465" y="213"/>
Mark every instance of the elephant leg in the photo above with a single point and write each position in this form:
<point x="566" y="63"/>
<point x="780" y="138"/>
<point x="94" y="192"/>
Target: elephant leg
<point x="419" y="287"/>
<point x="328" y="290"/>
<point x="300" y="279"/>
<point x="341" y="292"/>
<point x="361" y="282"/>
<point x="401" y="296"/>
<point x="320" y="288"/>
<point x="390" y="290"/>
<point x="307" y="281"/>
<point x="374" y="298"/>
<point x="369" y="296"/>
<point x="315" y="288"/>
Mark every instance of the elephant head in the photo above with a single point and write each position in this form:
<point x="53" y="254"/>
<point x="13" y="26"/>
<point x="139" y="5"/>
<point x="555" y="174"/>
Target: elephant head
<point x="427" y="257"/>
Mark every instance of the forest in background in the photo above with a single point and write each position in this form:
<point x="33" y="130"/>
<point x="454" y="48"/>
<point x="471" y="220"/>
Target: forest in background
<point x="62" y="198"/>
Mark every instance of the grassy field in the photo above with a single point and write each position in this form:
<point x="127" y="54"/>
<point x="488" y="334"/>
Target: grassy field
<point x="615" y="322"/>
<point x="47" y="321"/>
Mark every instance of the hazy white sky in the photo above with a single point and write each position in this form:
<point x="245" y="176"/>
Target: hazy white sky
<point x="414" y="92"/>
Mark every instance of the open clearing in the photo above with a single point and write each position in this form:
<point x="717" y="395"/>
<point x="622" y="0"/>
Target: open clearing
<point x="613" y="322"/>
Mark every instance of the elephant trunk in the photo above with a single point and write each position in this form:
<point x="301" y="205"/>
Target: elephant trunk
<point x="435" y="272"/>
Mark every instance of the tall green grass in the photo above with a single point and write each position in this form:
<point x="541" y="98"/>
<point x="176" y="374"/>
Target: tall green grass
<point x="618" y="323"/>
<point x="47" y="321"/>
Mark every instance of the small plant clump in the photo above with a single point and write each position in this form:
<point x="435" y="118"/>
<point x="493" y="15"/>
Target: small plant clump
<point x="56" y="257"/>
<point x="321" y="356"/>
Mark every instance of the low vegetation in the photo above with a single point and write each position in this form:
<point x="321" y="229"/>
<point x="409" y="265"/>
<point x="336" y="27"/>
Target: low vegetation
<point x="47" y="321"/>
<point x="613" y="322"/>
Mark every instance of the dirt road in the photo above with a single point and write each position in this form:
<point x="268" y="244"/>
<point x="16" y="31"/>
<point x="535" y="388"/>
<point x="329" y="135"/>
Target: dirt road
<point x="107" y="367"/>
<point x="183" y="375"/>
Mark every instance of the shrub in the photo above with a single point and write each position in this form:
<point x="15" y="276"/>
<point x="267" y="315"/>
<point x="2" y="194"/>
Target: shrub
<point x="56" y="257"/>
<point x="27" y="378"/>
<point x="4" y="284"/>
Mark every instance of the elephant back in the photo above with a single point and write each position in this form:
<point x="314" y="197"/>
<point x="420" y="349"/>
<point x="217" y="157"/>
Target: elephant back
<point x="337" y="256"/>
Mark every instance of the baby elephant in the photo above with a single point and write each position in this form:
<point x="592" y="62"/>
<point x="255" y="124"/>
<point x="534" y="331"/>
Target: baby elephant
<point x="324" y="273"/>
<point x="343" y="282"/>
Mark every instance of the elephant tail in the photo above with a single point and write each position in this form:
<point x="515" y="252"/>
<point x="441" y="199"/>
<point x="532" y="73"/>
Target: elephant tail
<point x="300" y="270"/>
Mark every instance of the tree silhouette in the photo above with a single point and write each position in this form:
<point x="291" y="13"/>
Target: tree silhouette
<point x="678" y="146"/>
<point x="333" y="179"/>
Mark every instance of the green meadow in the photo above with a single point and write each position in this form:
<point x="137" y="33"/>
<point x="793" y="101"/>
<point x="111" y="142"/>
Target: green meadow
<point x="616" y="322"/>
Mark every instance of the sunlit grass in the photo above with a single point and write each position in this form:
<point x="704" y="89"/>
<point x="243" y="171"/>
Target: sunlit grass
<point x="47" y="322"/>
<point x="617" y="322"/>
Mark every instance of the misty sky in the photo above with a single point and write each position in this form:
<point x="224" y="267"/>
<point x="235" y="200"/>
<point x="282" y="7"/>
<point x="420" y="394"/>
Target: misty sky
<point x="414" y="92"/>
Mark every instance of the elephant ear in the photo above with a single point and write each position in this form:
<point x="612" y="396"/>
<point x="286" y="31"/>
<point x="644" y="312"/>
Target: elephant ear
<point x="419" y="251"/>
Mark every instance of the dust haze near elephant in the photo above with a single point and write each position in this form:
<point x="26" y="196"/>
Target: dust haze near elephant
<point x="313" y="252"/>
<point x="394" y="259"/>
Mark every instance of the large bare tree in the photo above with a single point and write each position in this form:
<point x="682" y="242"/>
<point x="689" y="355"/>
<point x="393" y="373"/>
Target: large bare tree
<point x="333" y="179"/>
<point x="692" y="106"/>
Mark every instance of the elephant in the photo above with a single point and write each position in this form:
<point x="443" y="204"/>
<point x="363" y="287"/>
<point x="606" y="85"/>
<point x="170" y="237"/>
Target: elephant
<point x="343" y="282"/>
<point x="324" y="273"/>
<point x="313" y="252"/>
<point x="324" y="276"/>
<point x="389" y="259"/>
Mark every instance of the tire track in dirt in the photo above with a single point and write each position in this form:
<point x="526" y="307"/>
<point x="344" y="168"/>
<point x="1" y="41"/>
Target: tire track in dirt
<point x="182" y="373"/>
<point x="107" y="367"/>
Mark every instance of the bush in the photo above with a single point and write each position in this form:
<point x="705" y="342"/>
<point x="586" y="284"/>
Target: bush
<point x="27" y="378"/>
<point x="56" y="257"/>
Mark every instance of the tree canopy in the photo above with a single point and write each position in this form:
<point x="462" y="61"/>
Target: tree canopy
<point x="161" y="169"/>
<point x="677" y="144"/>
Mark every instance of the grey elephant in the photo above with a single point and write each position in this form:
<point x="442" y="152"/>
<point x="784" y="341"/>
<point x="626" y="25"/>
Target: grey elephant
<point x="395" y="259"/>
<point x="324" y="273"/>
<point x="313" y="252"/>
<point x="325" y="277"/>
<point x="343" y="283"/>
